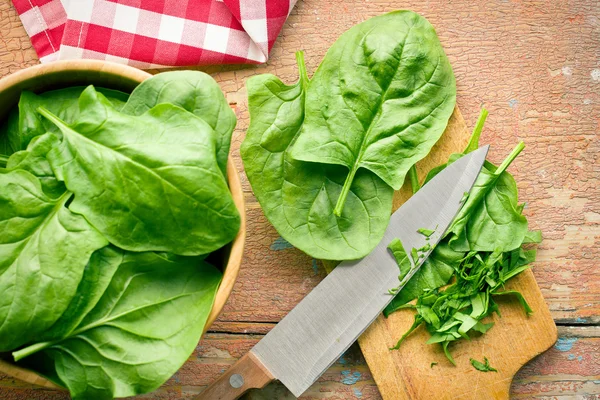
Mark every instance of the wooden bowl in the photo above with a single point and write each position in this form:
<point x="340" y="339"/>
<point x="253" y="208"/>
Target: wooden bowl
<point x="59" y="74"/>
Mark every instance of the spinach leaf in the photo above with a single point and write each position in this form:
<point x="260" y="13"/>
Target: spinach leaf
<point x="140" y="325"/>
<point x="34" y="160"/>
<point x="298" y="197"/>
<point x="193" y="91"/>
<point x="44" y="248"/>
<point x="97" y="275"/>
<point x="5" y="148"/>
<point x="482" y="366"/>
<point x="490" y="219"/>
<point x="148" y="182"/>
<point x="485" y="244"/>
<point x="401" y="258"/>
<point x="379" y="101"/>
<point x="25" y="123"/>
<point x="436" y="271"/>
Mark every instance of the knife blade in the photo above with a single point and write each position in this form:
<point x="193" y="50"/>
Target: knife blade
<point x="331" y="317"/>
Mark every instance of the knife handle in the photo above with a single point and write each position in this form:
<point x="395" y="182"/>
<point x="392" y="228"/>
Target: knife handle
<point x="247" y="373"/>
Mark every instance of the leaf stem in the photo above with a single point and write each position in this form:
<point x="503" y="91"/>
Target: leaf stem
<point x="51" y="117"/>
<point x="414" y="179"/>
<point x="474" y="141"/>
<point x="339" y="206"/>
<point x="301" y="68"/>
<point x="511" y="157"/>
<point x="34" y="348"/>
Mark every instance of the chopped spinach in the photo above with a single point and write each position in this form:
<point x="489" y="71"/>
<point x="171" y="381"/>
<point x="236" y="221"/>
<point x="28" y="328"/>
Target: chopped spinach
<point x="486" y="243"/>
<point x="483" y="367"/>
<point x="426" y="232"/>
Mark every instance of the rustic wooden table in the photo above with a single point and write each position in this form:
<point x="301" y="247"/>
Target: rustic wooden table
<point x="536" y="66"/>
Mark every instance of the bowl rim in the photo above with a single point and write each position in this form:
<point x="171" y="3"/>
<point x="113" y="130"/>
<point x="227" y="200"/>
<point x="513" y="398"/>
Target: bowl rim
<point x="134" y="76"/>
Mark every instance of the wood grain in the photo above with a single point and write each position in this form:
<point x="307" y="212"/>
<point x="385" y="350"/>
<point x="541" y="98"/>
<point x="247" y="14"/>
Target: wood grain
<point x="531" y="63"/>
<point x="566" y="371"/>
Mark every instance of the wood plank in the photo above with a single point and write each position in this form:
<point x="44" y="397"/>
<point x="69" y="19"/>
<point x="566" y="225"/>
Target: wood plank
<point x="570" y="368"/>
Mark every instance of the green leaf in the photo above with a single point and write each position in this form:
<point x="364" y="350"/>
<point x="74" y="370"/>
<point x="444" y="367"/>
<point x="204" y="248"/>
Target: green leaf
<point x="414" y="179"/>
<point x="447" y="353"/>
<point x="401" y="258"/>
<point x="34" y="160"/>
<point x="379" y="101"/>
<point x="426" y="232"/>
<point x="468" y="322"/>
<point x="418" y="321"/>
<point x="483" y="367"/>
<point x="195" y="92"/>
<point x="148" y="182"/>
<point x="489" y="219"/>
<point x="519" y="297"/>
<point x="482" y="328"/>
<point x="96" y="277"/>
<point x="533" y="237"/>
<point x="479" y="303"/>
<point x="298" y="197"/>
<point x="443" y="337"/>
<point x="436" y="271"/>
<point x="25" y="123"/>
<point x="44" y="249"/>
<point x="474" y="141"/>
<point x="119" y="348"/>
<point x="414" y="255"/>
<point x="5" y="148"/>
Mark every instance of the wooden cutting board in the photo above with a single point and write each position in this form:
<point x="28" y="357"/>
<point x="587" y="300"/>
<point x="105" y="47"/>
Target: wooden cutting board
<point x="515" y="338"/>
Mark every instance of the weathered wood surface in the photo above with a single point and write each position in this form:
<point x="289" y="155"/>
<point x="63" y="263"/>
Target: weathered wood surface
<point x="536" y="66"/>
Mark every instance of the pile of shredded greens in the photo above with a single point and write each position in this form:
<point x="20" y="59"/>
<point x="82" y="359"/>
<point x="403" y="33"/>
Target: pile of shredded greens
<point x="483" y="248"/>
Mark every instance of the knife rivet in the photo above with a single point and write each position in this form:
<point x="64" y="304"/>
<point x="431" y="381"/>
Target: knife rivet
<point x="236" y="381"/>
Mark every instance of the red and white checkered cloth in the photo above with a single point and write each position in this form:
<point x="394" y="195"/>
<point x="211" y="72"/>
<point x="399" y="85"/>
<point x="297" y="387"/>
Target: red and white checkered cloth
<point x="154" y="33"/>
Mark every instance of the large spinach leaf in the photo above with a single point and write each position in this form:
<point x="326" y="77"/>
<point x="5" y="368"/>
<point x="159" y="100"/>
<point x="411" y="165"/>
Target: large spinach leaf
<point x="34" y="160"/>
<point x="148" y="182"/>
<point x="379" y="101"/>
<point x="140" y="323"/>
<point x="44" y="248"/>
<point x="24" y="122"/>
<point x="491" y="218"/>
<point x="298" y="197"/>
<point x="193" y="91"/>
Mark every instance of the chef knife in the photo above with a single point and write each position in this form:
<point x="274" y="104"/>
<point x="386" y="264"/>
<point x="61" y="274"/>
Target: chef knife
<point x="332" y="316"/>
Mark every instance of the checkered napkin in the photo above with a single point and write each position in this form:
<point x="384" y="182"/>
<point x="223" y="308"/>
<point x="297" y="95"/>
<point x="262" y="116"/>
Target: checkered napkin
<point x="154" y="33"/>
